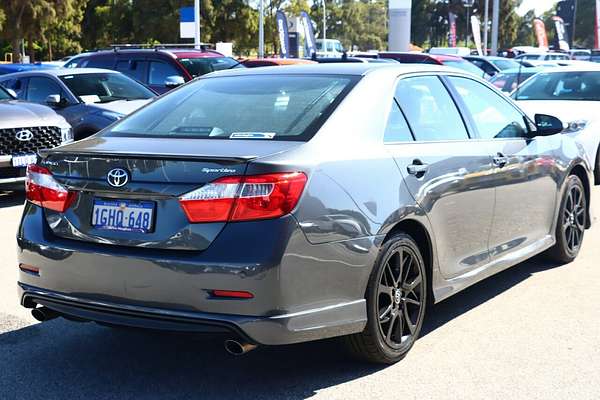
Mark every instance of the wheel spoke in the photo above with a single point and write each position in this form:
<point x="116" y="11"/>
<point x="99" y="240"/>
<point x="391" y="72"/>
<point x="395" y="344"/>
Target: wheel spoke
<point x="384" y="314"/>
<point x="385" y="289"/>
<point x="411" y="327"/>
<point x="412" y="301"/>
<point x="391" y="328"/>
<point x="410" y="286"/>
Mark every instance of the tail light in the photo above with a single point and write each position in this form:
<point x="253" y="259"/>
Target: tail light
<point x="42" y="189"/>
<point x="244" y="198"/>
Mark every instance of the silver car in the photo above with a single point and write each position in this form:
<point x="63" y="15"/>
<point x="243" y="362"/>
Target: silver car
<point x="26" y="128"/>
<point x="283" y="205"/>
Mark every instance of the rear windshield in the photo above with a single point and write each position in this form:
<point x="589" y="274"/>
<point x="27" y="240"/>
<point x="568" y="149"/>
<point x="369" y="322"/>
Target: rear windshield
<point x="105" y="87"/>
<point x="201" y="66"/>
<point x="271" y="107"/>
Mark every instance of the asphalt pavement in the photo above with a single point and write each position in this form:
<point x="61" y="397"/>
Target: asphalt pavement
<point x="530" y="332"/>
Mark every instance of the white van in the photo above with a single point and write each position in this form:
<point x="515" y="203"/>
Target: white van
<point x="453" y="51"/>
<point x="329" y="48"/>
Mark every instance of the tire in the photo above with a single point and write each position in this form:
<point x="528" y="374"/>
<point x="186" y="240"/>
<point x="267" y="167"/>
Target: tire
<point x="571" y="222"/>
<point x="387" y="337"/>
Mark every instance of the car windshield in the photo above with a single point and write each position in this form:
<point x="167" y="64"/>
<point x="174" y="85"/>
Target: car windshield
<point x="505" y="64"/>
<point x="465" y="66"/>
<point x="105" y="87"/>
<point x="4" y="94"/>
<point x="275" y="107"/>
<point x="568" y="85"/>
<point x="201" y="66"/>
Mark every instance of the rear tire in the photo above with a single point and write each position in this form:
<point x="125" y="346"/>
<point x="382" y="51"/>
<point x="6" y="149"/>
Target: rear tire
<point x="396" y="301"/>
<point x="571" y="222"/>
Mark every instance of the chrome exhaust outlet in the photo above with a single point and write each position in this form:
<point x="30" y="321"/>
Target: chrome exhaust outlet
<point x="236" y="348"/>
<point x="44" y="314"/>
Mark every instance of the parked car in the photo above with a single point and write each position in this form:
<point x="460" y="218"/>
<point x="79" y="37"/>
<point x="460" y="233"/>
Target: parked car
<point x="25" y="129"/>
<point x="492" y="65"/>
<point x="268" y="62"/>
<point x="347" y="59"/>
<point x="90" y="99"/>
<point x="329" y="48"/>
<point x="11" y="68"/>
<point x="161" y="69"/>
<point x="348" y="201"/>
<point x="543" y="56"/>
<point x="573" y="94"/>
<point x="580" y="54"/>
<point x="450" y="51"/>
<point x="423" y="58"/>
<point x="508" y="80"/>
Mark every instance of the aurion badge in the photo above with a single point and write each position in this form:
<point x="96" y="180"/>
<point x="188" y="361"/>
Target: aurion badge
<point x="117" y="177"/>
<point x="24" y="136"/>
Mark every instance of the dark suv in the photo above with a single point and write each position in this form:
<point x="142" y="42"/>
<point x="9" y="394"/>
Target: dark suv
<point x="159" y="68"/>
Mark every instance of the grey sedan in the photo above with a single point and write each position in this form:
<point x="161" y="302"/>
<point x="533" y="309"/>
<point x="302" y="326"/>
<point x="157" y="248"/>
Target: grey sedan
<point x="282" y="205"/>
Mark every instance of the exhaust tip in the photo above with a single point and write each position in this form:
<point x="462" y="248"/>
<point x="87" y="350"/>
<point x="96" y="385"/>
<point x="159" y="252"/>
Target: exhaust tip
<point x="44" y="314"/>
<point x="236" y="348"/>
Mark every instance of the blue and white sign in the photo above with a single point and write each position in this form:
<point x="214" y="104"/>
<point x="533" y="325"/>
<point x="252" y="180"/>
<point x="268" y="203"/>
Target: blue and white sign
<point x="186" y="22"/>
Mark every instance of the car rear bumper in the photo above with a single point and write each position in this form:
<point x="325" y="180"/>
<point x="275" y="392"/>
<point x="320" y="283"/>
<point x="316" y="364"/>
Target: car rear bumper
<point x="301" y="291"/>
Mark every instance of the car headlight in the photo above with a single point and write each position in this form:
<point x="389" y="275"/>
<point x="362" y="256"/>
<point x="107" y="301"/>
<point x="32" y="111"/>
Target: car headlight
<point x="575" y="126"/>
<point x="66" y="135"/>
<point x="112" y="115"/>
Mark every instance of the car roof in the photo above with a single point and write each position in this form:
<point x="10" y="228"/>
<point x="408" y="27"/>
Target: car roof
<point x="576" y="67"/>
<point x="357" y="69"/>
<point x="524" y="70"/>
<point x="172" y="52"/>
<point x="59" y="72"/>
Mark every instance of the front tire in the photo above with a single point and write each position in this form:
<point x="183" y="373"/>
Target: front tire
<point x="396" y="301"/>
<point x="570" y="226"/>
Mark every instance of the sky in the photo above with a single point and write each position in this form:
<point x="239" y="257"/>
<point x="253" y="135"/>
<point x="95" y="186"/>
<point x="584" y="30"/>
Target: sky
<point x="539" y="5"/>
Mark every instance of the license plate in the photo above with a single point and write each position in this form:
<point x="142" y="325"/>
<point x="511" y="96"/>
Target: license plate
<point x="23" y="160"/>
<point x="123" y="215"/>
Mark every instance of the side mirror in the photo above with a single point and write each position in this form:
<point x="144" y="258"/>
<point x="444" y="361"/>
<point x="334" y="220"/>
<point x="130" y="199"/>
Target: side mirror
<point x="547" y="125"/>
<point x="54" y="100"/>
<point x="12" y="92"/>
<point x="174" y="81"/>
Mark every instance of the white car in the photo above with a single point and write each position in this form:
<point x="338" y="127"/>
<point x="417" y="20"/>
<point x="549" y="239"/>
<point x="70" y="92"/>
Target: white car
<point x="547" y="56"/>
<point x="573" y="95"/>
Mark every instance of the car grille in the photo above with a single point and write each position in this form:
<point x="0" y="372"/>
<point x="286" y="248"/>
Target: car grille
<point x="44" y="137"/>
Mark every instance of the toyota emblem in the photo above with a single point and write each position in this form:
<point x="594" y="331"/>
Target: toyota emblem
<point x="24" y="136"/>
<point x="117" y="177"/>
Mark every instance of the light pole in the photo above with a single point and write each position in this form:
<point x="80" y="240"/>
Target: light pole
<point x="197" y="24"/>
<point x="495" y="15"/>
<point x="485" y="28"/>
<point x="261" y="30"/>
<point x="324" y="25"/>
<point x="468" y="4"/>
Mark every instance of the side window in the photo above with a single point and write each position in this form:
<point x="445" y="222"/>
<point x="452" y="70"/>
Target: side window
<point x="14" y="84"/>
<point x="101" y="62"/>
<point x="159" y="72"/>
<point x="397" y="129"/>
<point x="40" y="88"/>
<point x="135" y="69"/>
<point x="494" y="116"/>
<point x="430" y="111"/>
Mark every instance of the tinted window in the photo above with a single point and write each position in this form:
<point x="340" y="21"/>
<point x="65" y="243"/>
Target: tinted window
<point x="571" y="85"/>
<point x="4" y="95"/>
<point x="397" y="129"/>
<point x="14" y="84"/>
<point x="274" y="107"/>
<point x="135" y="69"/>
<point x="105" y="87"/>
<point x="430" y="111"/>
<point x="160" y="71"/>
<point x="40" y="88"/>
<point x="101" y="62"/>
<point x="201" y="66"/>
<point x="494" y="117"/>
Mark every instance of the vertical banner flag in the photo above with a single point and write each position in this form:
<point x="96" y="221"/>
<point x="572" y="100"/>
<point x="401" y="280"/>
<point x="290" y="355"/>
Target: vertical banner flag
<point x="597" y="30"/>
<point x="540" y="33"/>
<point x="309" y="34"/>
<point x="186" y="22"/>
<point x="282" y="30"/>
<point x="452" y="33"/>
<point x="566" y="10"/>
<point x="476" y="28"/>
<point x="561" y="39"/>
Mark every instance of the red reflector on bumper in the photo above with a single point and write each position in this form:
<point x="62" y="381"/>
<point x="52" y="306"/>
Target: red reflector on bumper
<point x="30" y="269"/>
<point x="235" y="294"/>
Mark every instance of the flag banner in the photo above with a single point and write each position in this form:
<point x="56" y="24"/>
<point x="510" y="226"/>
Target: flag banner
<point x="540" y="33"/>
<point x="282" y="30"/>
<point x="561" y="40"/>
<point x="452" y="33"/>
<point x="566" y="10"/>
<point x="597" y="30"/>
<point x="309" y="34"/>
<point x="476" y="28"/>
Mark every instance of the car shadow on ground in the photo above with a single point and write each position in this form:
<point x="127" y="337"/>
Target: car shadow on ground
<point x="10" y="199"/>
<point x="67" y="360"/>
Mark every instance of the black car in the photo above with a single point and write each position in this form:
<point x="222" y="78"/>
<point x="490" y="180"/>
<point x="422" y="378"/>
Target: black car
<point x="161" y="69"/>
<point x="89" y="99"/>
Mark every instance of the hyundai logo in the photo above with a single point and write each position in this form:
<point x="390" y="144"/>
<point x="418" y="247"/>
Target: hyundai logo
<point x="117" y="177"/>
<point x="24" y="136"/>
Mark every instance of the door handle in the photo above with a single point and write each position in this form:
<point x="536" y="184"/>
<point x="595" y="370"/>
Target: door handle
<point x="500" y="160"/>
<point x="417" y="168"/>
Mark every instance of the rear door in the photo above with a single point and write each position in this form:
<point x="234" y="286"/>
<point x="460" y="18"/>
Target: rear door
<point x="523" y="168"/>
<point x="446" y="172"/>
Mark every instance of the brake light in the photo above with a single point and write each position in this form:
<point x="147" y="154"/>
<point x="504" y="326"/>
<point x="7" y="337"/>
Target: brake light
<point x="42" y="189"/>
<point x="244" y="198"/>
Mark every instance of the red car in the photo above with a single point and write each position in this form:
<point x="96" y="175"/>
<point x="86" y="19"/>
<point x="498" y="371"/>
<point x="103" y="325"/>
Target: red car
<point x="438" y="59"/>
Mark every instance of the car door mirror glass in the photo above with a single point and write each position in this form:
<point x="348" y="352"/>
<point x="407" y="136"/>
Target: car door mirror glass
<point x="547" y="125"/>
<point x="54" y="100"/>
<point x="174" y="81"/>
